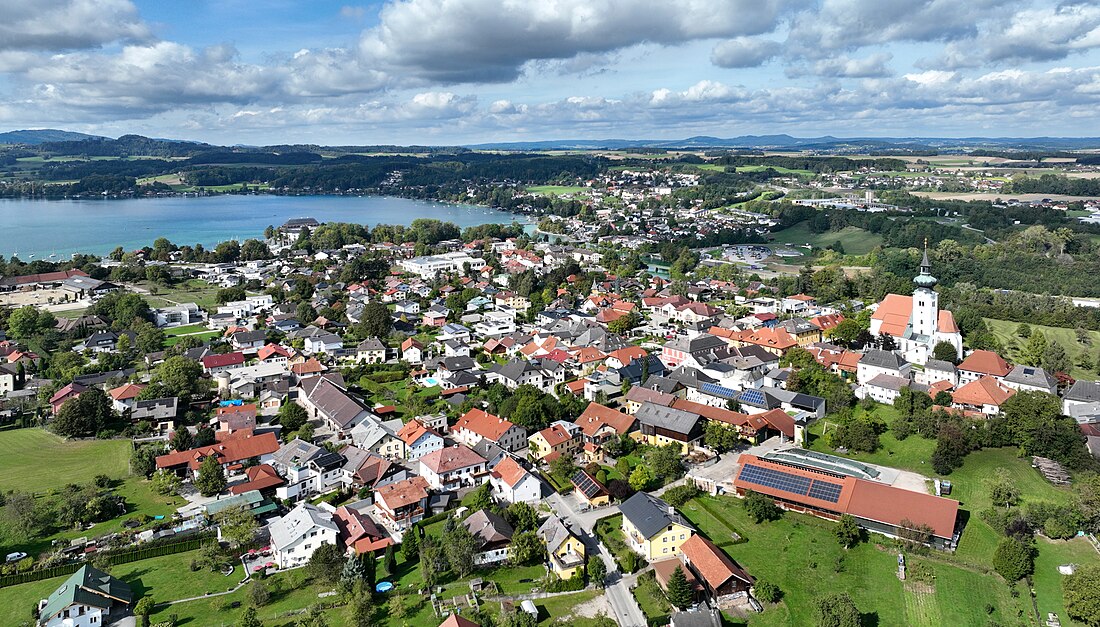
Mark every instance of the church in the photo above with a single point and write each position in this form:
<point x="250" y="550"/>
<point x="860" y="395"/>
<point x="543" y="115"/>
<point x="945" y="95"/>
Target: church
<point x="916" y="322"/>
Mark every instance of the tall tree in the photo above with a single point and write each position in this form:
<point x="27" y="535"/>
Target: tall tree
<point x="837" y="610"/>
<point x="679" y="590"/>
<point x="211" y="479"/>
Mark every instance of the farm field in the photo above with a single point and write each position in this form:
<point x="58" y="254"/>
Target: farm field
<point x="23" y="453"/>
<point x="800" y="555"/>
<point x="781" y="170"/>
<point x="855" y="240"/>
<point x="555" y="190"/>
<point x="1005" y="331"/>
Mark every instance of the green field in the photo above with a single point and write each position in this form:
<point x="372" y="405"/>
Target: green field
<point x="855" y="240"/>
<point x="35" y="460"/>
<point x="195" y="291"/>
<point x="971" y="488"/>
<point x="801" y="556"/>
<point x="1005" y="331"/>
<point x="555" y="190"/>
<point x="760" y="168"/>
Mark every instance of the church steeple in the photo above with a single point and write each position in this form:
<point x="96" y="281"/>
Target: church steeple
<point x="925" y="278"/>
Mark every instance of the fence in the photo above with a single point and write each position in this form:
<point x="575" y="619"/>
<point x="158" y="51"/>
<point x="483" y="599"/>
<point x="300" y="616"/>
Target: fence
<point x="113" y="558"/>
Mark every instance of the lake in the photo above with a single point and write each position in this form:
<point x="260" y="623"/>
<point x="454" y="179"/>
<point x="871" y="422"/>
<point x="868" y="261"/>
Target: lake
<point x="63" y="227"/>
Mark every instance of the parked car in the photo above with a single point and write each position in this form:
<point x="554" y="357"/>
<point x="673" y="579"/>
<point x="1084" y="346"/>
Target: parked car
<point x="15" y="557"/>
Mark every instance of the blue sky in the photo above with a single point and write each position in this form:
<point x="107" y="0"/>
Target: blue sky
<point x="469" y="71"/>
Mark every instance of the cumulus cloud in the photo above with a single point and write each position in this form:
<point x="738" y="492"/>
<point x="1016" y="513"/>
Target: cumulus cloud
<point x="873" y="66"/>
<point x="68" y="24"/>
<point x="456" y="41"/>
<point x="1033" y="34"/>
<point x="745" y="52"/>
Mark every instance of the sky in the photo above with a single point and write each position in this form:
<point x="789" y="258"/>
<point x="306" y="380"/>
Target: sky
<point x="471" y="71"/>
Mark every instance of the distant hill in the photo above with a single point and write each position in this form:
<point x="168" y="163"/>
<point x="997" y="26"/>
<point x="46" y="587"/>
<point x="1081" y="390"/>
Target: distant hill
<point x="786" y="142"/>
<point x="41" y="136"/>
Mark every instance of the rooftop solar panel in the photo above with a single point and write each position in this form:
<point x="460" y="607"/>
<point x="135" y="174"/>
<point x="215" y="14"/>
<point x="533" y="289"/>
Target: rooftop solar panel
<point x="586" y="484"/>
<point x="768" y="477"/>
<point x="825" y="491"/>
<point x="753" y="396"/>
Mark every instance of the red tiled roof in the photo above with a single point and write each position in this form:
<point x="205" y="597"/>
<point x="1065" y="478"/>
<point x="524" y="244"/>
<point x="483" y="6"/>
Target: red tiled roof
<point x="509" y="471"/>
<point x="983" y="391"/>
<point x="985" y="362"/>
<point x="451" y="458"/>
<point x="236" y="449"/>
<point x="628" y="354"/>
<point x="411" y="431"/>
<point x="454" y="620"/>
<point x="484" y="424"/>
<point x="712" y="564"/>
<point x="405" y="492"/>
<point x="126" y="391"/>
<point x="220" y="361"/>
<point x="260" y="477"/>
<point x="597" y="416"/>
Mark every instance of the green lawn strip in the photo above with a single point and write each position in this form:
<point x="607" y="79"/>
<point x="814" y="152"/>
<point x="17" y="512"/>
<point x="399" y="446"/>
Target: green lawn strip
<point x="1047" y="581"/>
<point x="1005" y="331"/>
<point x="186" y="330"/>
<point x="800" y="555"/>
<point x="35" y="460"/>
<point x="855" y="240"/>
<point x="610" y="533"/>
<point x="172" y="340"/>
<point x="780" y="170"/>
<point x="912" y="453"/>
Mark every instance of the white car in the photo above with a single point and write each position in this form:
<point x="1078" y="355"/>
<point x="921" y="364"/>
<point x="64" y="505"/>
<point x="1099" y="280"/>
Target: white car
<point x="15" y="557"/>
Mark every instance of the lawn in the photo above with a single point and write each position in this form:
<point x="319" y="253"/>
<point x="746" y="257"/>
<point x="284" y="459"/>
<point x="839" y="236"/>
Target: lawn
<point x="1005" y="331"/>
<point x="1047" y="581"/>
<point x="855" y="240"/>
<point x="195" y="291"/>
<point x="555" y="190"/>
<point x="761" y="168"/>
<point x="36" y="460"/>
<point x="800" y="555"/>
<point x="912" y="453"/>
<point x="652" y="599"/>
<point x="610" y="532"/>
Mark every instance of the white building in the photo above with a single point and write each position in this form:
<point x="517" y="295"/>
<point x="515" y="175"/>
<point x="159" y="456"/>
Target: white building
<point x="433" y="265"/>
<point x="297" y="535"/>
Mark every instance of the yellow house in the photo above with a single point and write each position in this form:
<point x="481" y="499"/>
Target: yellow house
<point x="561" y="438"/>
<point x="566" y="550"/>
<point x="653" y="528"/>
<point x="589" y="489"/>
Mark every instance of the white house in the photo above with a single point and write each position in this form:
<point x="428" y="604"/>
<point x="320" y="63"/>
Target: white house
<point x="88" y="598"/>
<point x="419" y="440"/>
<point x="297" y="535"/>
<point x="453" y="467"/>
<point x="876" y="362"/>
<point x="513" y="484"/>
<point x="308" y="469"/>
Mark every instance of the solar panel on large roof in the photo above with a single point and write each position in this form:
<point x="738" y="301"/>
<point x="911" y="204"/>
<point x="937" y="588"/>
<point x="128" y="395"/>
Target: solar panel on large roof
<point x="825" y="491"/>
<point x="753" y="396"/>
<point x="771" y="478"/>
<point x="714" y="388"/>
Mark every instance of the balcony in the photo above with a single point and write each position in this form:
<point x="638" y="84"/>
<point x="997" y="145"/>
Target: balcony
<point x="571" y="559"/>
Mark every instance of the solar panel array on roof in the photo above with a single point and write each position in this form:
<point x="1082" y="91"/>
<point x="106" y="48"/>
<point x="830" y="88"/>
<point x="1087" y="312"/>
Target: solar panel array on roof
<point x="718" y="390"/>
<point x="588" y="486"/>
<point x="789" y="482"/>
<point x="755" y="397"/>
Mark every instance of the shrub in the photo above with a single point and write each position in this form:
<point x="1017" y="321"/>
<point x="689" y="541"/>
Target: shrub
<point x="1013" y="559"/>
<point x="767" y="591"/>
<point x="680" y="494"/>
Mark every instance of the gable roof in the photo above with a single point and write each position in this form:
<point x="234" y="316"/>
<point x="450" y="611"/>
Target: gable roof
<point x="220" y="361"/>
<point x="983" y="391"/>
<point x="712" y="564"/>
<point x="649" y="514"/>
<point x="402" y="493"/>
<point x="451" y="458"/>
<point x="87" y="586"/>
<point x="488" y="527"/>
<point x="306" y="516"/>
<point x="554" y="532"/>
<point x="676" y="420"/>
<point x="510" y="472"/>
<point x="484" y="424"/>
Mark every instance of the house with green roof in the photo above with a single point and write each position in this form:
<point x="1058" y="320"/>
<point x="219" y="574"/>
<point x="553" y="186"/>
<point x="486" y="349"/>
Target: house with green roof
<point x="88" y="598"/>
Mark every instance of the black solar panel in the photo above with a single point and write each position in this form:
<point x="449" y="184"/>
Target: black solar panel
<point x="586" y="484"/>
<point x="779" y="480"/>
<point x="825" y="491"/>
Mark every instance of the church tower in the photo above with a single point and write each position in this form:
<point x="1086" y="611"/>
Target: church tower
<point x="926" y="302"/>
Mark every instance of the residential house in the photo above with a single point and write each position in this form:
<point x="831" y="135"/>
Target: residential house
<point x="230" y="453"/>
<point x="215" y="363"/>
<point x="875" y="362"/>
<point x="476" y="425"/>
<point x="564" y="548"/>
<point x="88" y="598"/>
<point x="600" y="423"/>
<point x="660" y="425"/>
<point x="453" y="467"/>
<point x="357" y="531"/>
<point x="723" y="580"/>
<point x="493" y="535"/>
<point x="1031" y="379"/>
<point x="982" y="363"/>
<point x="511" y="482"/>
<point x="560" y="438"/>
<point x="326" y="400"/>
<point x="652" y="527"/>
<point x="308" y="470"/>
<point x="371" y="351"/>
<point x="419" y="440"/>
<point x="297" y="535"/>
<point x="124" y="396"/>
<point x="1082" y="401"/>
<point x="682" y="348"/>
<point x="402" y="504"/>
<point x="366" y="469"/>
<point x="985" y="395"/>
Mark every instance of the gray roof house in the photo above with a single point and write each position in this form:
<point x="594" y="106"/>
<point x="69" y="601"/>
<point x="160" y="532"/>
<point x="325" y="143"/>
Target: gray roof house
<point x="650" y="514"/>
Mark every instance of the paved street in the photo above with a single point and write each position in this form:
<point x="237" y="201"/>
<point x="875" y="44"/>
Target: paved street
<point x="623" y="606"/>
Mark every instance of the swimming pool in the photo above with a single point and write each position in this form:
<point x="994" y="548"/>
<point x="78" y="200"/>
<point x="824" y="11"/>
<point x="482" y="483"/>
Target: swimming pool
<point x="430" y="382"/>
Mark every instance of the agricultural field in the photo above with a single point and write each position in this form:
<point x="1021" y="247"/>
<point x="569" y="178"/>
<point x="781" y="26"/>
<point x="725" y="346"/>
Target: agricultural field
<point x="555" y="190"/>
<point x="760" y="168"/>
<point x="855" y="240"/>
<point x="1005" y="331"/>
<point x="24" y="451"/>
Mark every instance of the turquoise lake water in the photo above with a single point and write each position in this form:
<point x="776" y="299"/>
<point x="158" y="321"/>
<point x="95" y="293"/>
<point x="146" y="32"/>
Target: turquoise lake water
<point x="63" y="227"/>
